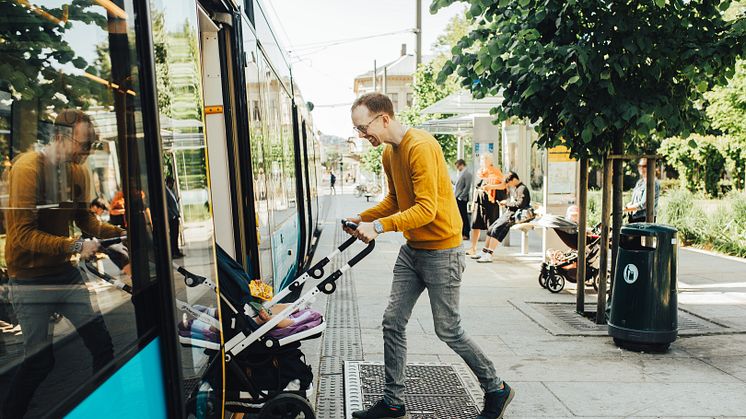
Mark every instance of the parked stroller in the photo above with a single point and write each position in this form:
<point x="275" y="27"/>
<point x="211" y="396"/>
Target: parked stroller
<point x="560" y="266"/>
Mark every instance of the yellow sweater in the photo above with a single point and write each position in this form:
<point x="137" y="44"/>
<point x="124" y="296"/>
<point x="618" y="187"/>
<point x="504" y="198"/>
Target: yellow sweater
<point x="41" y="211"/>
<point x="420" y="201"/>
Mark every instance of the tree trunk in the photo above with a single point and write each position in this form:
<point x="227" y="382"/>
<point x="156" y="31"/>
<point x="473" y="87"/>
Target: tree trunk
<point x="604" y="253"/>
<point x="616" y="206"/>
<point x="583" y="212"/>
<point x="650" y="192"/>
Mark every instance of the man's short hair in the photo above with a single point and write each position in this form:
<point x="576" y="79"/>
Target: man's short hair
<point x="375" y="102"/>
<point x="460" y="162"/>
<point x="67" y="119"/>
<point x="99" y="203"/>
<point x="510" y="176"/>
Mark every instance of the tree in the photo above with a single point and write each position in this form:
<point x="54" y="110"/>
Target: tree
<point x="35" y="57"/>
<point x="426" y="91"/>
<point x="372" y="160"/>
<point x="591" y="71"/>
<point x="700" y="162"/>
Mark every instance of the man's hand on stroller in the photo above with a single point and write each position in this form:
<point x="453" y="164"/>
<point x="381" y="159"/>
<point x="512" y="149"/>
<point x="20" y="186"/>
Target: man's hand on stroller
<point x="89" y="248"/>
<point x="355" y="220"/>
<point x="365" y="232"/>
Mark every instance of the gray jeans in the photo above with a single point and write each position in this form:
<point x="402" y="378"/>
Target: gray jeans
<point x="440" y="272"/>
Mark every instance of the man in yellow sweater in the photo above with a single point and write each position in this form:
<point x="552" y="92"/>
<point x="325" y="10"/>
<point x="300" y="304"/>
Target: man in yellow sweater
<point x="421" y="204"/>
<point x="48" y="191"/>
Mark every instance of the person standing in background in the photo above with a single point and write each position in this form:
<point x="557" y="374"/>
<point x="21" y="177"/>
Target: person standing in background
<point x="490" y="191"/>
<point x="462" y="192"/>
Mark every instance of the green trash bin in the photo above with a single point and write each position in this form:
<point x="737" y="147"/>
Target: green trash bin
<point x="644" y="308"/>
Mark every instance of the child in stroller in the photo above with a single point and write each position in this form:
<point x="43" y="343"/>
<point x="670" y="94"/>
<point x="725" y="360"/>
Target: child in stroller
<point x="265" y="370"/>
<point x="561" y="266"/>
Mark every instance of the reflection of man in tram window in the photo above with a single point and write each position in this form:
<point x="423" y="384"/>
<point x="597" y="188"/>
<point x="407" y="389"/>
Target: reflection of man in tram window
<point x="48" y="192"/>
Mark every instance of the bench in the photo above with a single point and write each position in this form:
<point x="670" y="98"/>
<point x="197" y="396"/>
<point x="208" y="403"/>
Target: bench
<point x="524" y="228"/>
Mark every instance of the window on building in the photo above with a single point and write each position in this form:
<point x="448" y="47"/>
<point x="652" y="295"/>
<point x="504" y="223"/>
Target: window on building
<point x="409" y="99"/>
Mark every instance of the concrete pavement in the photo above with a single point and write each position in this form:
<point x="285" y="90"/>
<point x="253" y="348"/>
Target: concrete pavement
<point x="561" y="376"/>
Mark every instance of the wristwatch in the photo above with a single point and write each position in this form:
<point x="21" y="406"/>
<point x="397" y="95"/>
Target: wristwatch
<point x="378" y="227"/>
<point x="77" y="246"/>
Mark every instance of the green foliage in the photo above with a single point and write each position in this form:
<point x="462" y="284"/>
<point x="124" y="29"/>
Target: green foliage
<point x="426" y="89"/>
<point x="679" y="210"/>
<point x="699" y="160"/>
<point x="36" y="60"/>
<point x="735" y="162"/>
<point x="590" y="71"/>
<point x="372" y="160"/>
<point x="723" y="229"/>
<point x="727" y="105"/>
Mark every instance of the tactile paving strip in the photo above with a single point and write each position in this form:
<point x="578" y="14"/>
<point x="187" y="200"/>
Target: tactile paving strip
<point x="433" y="391"/>
<point x="689" y="324"/>
<point x="342" y="340"/>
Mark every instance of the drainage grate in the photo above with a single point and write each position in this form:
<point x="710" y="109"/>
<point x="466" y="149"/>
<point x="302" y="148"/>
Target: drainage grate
<point x="561" y="319"/>
<point x="433" y="390"/>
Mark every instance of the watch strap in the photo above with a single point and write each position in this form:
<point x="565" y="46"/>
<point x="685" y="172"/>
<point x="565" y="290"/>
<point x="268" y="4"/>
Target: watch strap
<point x="378" y="226"/>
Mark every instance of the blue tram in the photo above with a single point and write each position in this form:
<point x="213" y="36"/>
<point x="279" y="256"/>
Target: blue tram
<point x="183" y="119"/>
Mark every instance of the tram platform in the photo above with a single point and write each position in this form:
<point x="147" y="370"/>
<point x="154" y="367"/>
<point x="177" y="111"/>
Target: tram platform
<point x="560" y="365"/>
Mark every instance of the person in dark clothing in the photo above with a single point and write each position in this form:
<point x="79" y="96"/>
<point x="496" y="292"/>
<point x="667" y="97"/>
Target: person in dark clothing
<point x="463" y="186"/>
<point x="521" y="199"/>
<point x="332" y="181"/>
<point x="174" y="217"/>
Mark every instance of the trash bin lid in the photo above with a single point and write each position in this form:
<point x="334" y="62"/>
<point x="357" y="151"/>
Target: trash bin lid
<point x="648" y="229"/>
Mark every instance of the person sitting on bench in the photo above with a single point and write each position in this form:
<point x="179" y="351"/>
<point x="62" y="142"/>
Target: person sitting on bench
<point x="501" y="227"/>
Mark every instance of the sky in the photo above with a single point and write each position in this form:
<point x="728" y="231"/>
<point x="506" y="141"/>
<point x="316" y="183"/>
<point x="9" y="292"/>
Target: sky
<point x="324" y="72"/>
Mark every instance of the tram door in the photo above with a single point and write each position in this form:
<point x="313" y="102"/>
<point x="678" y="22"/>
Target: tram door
<point x="215" y="130"/>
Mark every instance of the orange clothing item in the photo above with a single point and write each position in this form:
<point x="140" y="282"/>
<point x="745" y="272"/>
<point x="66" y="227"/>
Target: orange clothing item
<point x="117" y="204"/>
<point x="420" y="201"/>
<point x="491" y="176"/>
<point x="44" y="200"/>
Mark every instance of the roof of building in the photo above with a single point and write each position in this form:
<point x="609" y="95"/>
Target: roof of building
<point x="405" y="65"/>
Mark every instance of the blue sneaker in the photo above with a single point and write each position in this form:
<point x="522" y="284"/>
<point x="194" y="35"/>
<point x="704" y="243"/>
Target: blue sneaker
<point x="382" y="410"/>
<point x="495" y="402"/>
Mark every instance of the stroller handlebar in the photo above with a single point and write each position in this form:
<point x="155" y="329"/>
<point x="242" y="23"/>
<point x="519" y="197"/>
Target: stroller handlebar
<point x="112" y="241"/>
<point x="349" y="224"/>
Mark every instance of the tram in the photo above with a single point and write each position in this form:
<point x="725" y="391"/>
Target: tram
<point x="113" y="99"/>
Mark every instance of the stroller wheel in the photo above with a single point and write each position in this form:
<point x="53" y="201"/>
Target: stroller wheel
<point x="287" y="406"/>
<point x="556" y="283"/>
<point x="542" y="280"/>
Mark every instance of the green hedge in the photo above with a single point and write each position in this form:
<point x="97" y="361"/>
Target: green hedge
<point x="722" y="229"/>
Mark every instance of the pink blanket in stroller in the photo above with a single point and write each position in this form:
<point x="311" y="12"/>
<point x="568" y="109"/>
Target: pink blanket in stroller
<point x="302" y="320"/>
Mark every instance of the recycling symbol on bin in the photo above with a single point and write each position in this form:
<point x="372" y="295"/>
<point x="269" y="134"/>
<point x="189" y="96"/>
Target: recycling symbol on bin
<point x="630" y="273"/>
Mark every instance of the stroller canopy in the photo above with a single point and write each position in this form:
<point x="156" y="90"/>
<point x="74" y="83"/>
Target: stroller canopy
<point x="558" y="223"/>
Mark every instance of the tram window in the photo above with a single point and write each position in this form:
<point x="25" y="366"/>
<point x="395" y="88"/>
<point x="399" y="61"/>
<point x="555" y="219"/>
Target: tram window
<point x="69" y="111"/>
<point x="288" y="153"/>
<point x="255" y="91"/>
<point x="176" y="40"/>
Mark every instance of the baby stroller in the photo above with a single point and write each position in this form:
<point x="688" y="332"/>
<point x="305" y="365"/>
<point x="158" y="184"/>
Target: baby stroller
<point x="561" y="266"/>
<point x="265" y="371"/>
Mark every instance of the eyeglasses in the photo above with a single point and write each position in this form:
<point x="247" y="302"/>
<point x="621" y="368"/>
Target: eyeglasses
<point x="363" y="129"/>
<point x="86" y="145"/>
